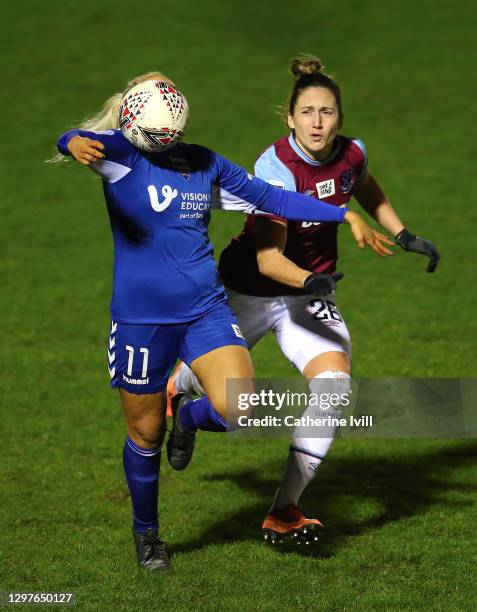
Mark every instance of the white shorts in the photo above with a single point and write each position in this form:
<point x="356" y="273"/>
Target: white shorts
<point x="304" y="326"/>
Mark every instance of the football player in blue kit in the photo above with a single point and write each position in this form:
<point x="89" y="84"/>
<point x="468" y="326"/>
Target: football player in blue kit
<point x="168" y="300"/>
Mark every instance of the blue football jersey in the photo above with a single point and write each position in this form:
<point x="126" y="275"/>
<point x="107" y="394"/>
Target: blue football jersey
<point x="159" y="207"/>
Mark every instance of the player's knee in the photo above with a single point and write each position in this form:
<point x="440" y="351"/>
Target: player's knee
<point x="241" y="417"/>
<point x="234" y="409"/>
<point x="147" y="437"/>
<point x="332" y="389"/>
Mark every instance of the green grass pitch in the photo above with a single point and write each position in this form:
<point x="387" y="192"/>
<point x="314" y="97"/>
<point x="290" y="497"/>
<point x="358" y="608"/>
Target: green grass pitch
<point x="400" y="514"/>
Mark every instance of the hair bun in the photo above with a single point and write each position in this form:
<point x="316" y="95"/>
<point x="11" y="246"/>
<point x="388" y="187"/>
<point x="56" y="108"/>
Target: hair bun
<point x="305" y="64"/>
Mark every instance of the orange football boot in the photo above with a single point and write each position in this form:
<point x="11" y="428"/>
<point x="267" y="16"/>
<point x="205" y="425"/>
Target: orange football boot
<point x="290" y="524"/>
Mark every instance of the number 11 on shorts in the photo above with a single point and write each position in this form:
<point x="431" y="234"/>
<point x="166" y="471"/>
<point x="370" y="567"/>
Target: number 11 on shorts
<point x="145" y="359"/>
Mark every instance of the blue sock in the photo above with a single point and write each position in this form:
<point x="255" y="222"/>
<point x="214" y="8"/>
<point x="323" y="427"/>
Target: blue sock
<point x="141" y="466"/>
<point x="200" y="414"/>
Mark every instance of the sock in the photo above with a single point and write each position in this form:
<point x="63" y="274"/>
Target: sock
<point x="302" y="463"/>
<point x="187" y="381"/>
<point x="200" y="414"/>
<point x="141" y="466"/>
<point x="306" y="454"/>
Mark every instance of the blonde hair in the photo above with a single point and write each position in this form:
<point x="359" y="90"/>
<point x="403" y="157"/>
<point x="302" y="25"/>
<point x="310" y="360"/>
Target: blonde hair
<point x="108" y="117"/>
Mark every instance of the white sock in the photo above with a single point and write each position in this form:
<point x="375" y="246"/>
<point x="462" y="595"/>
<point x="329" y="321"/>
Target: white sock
<point x="306" y="453"/>
<point x="187" y="382"/>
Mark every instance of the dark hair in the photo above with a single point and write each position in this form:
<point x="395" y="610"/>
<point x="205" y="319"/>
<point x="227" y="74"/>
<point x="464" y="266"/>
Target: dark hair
<point x="308" y="72"/>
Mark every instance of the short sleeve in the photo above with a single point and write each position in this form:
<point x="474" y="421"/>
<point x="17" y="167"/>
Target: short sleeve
<point x="363" y="170"/>
<point x="272" y="170"/>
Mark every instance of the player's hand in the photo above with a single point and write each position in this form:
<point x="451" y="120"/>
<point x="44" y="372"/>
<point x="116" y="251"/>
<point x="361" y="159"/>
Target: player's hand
<point x="411" y="242"/>
<point x="321" y="284"/>
<point x="365" y="235"/>
<point x="85" y="150"/>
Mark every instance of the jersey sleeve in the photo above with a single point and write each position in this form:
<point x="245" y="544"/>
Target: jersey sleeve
<point x="120" y="154"/>
<point x="255" y="194"/>
<point x="363" y="170"/>
<point x="224" y="200"/>
<point x="271" y="169"/>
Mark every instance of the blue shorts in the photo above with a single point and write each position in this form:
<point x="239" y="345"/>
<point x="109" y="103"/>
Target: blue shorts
<point x="141" y="357"/>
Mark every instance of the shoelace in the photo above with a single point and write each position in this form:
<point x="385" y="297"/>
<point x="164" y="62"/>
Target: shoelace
<point x="151" y="544"/>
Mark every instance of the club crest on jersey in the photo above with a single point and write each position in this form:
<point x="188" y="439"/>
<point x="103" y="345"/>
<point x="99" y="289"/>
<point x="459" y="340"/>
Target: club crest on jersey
<point x="181" y="165"/>
<point x="325" y="189"/>
<point x="346" y="181"/>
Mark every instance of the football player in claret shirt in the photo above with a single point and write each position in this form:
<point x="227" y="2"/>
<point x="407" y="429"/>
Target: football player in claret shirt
<point x="168" y="299"/>
<point x="274" y="265"/>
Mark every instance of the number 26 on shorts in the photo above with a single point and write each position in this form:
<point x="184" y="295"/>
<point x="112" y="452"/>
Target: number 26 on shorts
<point x="322" y="310"/>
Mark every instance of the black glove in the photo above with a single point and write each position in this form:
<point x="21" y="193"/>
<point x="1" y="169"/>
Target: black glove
<point x="410" y="242"/>
<point x="321" y="284"/>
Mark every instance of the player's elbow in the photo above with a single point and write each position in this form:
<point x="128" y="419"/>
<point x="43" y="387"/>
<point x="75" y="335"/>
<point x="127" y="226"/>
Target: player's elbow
<point x="268" y="261"/>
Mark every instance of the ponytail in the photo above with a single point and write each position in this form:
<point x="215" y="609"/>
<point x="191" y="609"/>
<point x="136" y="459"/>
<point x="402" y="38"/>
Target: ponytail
<point x="308" y="72"/>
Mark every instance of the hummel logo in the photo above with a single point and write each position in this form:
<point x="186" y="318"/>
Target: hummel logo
<point x="237" y="331"/>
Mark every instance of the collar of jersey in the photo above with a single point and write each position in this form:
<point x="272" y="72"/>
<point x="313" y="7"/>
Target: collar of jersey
<point x="309" y="160"/>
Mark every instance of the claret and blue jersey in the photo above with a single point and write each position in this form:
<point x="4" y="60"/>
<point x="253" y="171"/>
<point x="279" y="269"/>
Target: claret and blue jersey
<point x="311" y="246"/>
<point x="159" y="207"/>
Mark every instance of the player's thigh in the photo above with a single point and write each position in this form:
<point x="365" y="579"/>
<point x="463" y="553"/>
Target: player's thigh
<point x="216" y="351"/>
<point x="225" y="373"/>
<point x="313" y="334"/>
<point x="140" y="359"/>
<point x="255" y="315"/>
